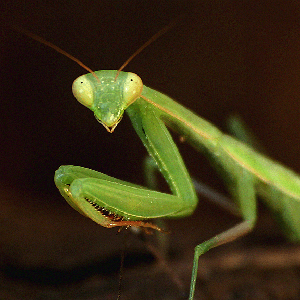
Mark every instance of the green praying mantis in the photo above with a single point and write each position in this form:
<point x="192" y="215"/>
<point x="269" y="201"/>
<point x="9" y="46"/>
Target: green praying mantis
<point x="112" y="202"/>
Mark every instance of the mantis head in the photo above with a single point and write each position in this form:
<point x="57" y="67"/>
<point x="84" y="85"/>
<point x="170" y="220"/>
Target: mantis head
<point x="106" y="95"/>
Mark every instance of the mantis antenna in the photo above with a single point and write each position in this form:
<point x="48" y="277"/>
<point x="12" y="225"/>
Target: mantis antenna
<point x="56" y="48"/>
<point x="80" y="63"/>
<point x="150" y="41"/>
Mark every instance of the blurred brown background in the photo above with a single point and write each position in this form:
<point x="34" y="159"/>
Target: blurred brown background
<point x="224" y="57"/>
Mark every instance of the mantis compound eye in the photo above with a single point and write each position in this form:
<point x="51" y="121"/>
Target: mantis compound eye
<point x="83" y="91"/>
<point x="133" y="87"/>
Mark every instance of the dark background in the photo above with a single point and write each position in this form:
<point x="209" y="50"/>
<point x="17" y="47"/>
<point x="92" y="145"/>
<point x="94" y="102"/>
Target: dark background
<point x="223" y="57"/>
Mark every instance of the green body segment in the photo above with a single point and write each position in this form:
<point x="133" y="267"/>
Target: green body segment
<point x="278" y="186"/>
<point x="108" y="200"/>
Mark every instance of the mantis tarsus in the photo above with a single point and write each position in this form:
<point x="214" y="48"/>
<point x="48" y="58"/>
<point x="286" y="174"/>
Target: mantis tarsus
<point x="112" y="202"/>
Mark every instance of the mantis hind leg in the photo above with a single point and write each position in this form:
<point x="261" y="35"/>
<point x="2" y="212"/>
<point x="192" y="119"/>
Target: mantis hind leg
<point x="244" y="194"/>
<point x="239" y="129"/>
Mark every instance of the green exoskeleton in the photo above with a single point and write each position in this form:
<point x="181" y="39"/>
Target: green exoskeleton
<point x="112" y="202"/>
<point x="106" y="200"/>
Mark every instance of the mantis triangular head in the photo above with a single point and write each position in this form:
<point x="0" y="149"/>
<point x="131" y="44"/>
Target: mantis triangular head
<point x="106" y="95"/>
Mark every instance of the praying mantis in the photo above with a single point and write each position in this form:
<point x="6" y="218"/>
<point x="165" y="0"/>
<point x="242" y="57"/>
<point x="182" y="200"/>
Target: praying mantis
<point x="111" y="202"/>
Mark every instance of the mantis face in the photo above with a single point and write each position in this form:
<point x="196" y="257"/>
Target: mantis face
<point x="106" y="96"/>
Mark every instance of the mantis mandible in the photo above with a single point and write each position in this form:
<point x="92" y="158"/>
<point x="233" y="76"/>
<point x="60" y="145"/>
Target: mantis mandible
<point x="112" y="202"/>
